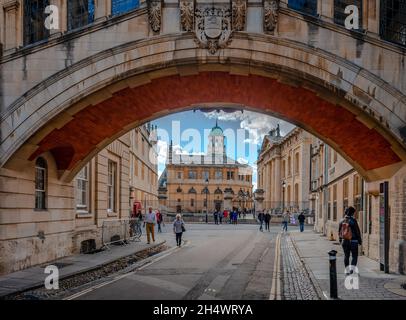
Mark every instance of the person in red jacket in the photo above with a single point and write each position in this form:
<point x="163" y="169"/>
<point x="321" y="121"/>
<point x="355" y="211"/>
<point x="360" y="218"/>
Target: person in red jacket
<point x="159" y="220"/>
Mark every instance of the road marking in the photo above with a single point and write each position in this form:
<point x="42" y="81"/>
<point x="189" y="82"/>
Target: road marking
<point x="275" y="291"/>
<point x="119" y="277"/>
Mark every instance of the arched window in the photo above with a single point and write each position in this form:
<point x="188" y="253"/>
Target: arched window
<point x="205" y="190"/>
<point x="80" y="13"/>
<point x="192" y="190"/>
<point x="40" y="184"/>
<point x="218" y="191"/>
<point x="34" y="18"/>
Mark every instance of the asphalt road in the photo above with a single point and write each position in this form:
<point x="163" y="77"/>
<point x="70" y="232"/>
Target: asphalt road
<point x="216" y="262"/>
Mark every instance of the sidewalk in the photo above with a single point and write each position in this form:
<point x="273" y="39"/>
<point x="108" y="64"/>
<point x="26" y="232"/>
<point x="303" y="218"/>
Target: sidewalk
<point x="373" y="283"/>
<point x="34" y="277"/>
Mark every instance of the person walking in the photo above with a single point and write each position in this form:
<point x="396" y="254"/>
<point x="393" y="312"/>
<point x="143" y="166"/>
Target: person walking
<point x="216" y="217"/>
<point x="301" y="219"/>
<point x="350" y="238"/>
<point x="285" y="220"/>
<point x="178" y="229"/>
<point x="159" y="220"/>
<point x="267" y="220"/>
<point x="150" y="220"/>
<point x="261" y="218"/>
<point x="220" y="214"/>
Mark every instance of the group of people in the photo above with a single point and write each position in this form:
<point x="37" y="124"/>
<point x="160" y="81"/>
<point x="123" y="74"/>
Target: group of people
<point x="152" y="218"/>
<point x="265" y="218"/>
<point x="228" y="216"/>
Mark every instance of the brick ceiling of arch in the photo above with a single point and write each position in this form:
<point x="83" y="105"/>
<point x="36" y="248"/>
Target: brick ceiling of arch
<point x="78" y="138"/>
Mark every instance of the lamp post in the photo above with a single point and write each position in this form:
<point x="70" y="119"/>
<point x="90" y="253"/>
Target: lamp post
<point x="283" y="196"/>
<point x="207" y="191"/>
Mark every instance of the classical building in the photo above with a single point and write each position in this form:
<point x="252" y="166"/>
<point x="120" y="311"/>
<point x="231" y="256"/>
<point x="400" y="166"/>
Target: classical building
<point x="196" y="183"/>
<point x="283" y="170"/>
<point x="43" y="221"/>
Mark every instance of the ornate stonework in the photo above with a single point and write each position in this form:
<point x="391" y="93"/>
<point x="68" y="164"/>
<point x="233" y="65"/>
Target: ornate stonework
<point x="213" y="27"/>
<point x="186" y="14"/>
<point x="239" y="8"/>
<point x="271" y="12"/>
<point x="155" y="14"/>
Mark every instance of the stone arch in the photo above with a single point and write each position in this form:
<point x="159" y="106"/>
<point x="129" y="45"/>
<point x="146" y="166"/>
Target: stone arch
<point x="323" y="93"/>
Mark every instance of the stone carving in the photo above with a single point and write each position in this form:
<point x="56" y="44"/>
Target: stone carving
<point x="271" y="12"/>
<point x="239" y="8"/>
<point x="186" y="14"/>
<point x="155" y="14"/>
<point x="213" y="27"/>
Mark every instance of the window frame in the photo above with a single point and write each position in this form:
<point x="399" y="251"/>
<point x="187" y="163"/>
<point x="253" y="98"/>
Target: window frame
<point x="89" y="17"/>
<point x="29" y="23"/>
<point x="83" y="208"/>
<point x="112" y="187"/>
<point x="41" y="167"/>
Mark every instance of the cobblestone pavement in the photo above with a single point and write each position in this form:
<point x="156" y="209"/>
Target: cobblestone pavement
<point x="312" y="250"/>
<point x="296" y="283"/>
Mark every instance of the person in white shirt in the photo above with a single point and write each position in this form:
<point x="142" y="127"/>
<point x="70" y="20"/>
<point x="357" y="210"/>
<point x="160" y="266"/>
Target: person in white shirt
<point x="150" y="223"/>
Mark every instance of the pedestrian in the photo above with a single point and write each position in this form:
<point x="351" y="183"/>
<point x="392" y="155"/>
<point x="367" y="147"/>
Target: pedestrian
<point x="159" y="220"/>
<point x="220" y="214"/>
<point x="178" y="229"/>
<point x="285" y="220"/>
<point x="267" y="220"/>
<point x="261" y="218"/>
<point x="301" y="219"/>
<point x="235" y="217"/>
<point x="350" y="239"/>
<point x="225" y="215"/>
<point x="216" y="217"/>
<point x="150" y="220"/>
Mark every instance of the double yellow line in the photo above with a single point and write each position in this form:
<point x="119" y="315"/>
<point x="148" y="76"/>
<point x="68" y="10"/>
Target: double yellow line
<point x="276" y="282"/>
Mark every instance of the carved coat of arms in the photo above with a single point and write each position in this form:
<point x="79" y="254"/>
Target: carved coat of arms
<point x="213" y="27"/>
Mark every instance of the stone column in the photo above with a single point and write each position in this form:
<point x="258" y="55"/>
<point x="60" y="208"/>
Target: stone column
<point x="371" y="17"/>
<point x="11" y="24"/>
<point x="259" y="199"/>
<point x="228" y="197"/>
<point x="102" y="9"/>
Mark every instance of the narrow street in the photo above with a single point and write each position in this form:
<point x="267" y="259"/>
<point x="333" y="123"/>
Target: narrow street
<point x="216" y="262"/>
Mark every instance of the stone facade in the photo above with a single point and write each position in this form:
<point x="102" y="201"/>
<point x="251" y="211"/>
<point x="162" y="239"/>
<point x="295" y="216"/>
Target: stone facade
<point x="283" y="169"/>
<point x="74" y="211"/>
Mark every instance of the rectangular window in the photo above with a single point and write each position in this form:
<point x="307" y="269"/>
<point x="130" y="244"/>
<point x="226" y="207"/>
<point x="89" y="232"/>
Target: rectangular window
<point x="179" y="174"/>
<point x="40" y="187"/>
<point x="393" y="21"/>
<point x="80" y="13"/>
<point x="112" y="186"/>
<point x="219" y="175"/>
<point x="305" y="6"/>
<point x="34" y="18"/>
<point x="136" y="167"/>
<point x="297" y="163"/>
<point x="339" y="11"/>
<point x="122" y="6"/>
<point x="192" y="174"/>
<point x="205" y="175"/>
<point x="192" y="202"/>
<point x="82" y="190"/>
<point x="230" y="175"/>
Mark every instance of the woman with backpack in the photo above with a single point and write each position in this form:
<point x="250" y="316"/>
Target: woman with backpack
<point x="178" y="229"/>
<point x="350" y="239"/>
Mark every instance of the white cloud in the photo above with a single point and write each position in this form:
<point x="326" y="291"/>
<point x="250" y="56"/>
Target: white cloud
<point x="257" y="124"/>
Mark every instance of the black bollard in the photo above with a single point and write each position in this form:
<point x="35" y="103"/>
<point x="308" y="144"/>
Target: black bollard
<point x="333" y="274"/>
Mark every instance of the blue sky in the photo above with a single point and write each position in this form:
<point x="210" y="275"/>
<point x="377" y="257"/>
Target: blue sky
<point x="189" y="131"/>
